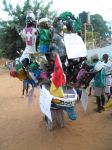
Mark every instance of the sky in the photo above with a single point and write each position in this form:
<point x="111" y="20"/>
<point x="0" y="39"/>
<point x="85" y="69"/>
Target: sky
<point x="102" y="7"/>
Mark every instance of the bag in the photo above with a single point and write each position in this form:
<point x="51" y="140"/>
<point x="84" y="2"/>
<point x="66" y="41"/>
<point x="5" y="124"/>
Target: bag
<point x="81" y="74"/>
<point x="108" y="104"/>
<point x="13" y="73"/>
<point x="21" y="74"/>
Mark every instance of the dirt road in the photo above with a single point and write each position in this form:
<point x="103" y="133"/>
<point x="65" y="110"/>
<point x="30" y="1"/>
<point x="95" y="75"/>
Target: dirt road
<point x="22" y="126"/>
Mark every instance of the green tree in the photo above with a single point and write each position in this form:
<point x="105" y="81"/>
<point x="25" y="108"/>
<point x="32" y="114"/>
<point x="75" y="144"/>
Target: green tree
<point x="10" y="39"/>
<point x="99" y="25"/>
<point x="83" y="17"/>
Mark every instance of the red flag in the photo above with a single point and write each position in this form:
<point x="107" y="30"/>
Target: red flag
<point x="58" y="77"/>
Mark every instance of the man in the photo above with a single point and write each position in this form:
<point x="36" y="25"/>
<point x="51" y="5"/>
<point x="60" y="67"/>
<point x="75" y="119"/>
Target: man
<point x="108" y="78"/>
<point x="99" y="84"/>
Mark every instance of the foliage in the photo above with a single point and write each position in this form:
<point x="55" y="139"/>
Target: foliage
<point x="99" y="25"/>
<point x="64" y="16"/>
<point x="77" y="24"/>
<point x="84" y="17"/>
<point x="76" y="21"/>
<point x="9" y="30"/>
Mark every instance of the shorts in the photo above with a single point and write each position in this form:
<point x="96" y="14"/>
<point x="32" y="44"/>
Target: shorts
<point x="44" y="48"/>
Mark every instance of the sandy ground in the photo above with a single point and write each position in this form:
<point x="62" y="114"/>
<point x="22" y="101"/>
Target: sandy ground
<point x="22" y="126"/>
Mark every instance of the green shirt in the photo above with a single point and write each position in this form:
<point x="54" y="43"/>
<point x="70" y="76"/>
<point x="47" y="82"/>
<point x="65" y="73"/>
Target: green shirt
<point x="99" y="79"/>
<point x="45" y="36"/>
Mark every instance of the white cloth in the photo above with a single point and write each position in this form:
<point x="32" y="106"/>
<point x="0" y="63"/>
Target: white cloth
<point x="99" y="65"/>
<point x="84" y="99"/>
<point x="108" y="80"/>
<point x="75" y="46"/>
<point x="30" y="48"/>
<point x="108" y="67"/>
<point x="17" y="60"/>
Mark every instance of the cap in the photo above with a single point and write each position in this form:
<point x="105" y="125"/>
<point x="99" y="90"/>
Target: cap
<point x="43" y="20"/>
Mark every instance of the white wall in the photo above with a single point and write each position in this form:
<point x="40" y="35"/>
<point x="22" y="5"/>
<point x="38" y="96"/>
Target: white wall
<point x="100" y="51"/>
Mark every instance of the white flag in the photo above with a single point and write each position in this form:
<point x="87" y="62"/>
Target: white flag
<point x="84" y="99"/>
<point x="30" y="96"/>
<point x="45" y="102"/>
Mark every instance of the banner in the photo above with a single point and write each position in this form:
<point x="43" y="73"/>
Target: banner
<point x="75" y="46"/>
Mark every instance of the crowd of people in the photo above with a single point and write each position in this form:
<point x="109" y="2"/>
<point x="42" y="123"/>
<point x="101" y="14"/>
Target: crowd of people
<point x="102" y="82"/>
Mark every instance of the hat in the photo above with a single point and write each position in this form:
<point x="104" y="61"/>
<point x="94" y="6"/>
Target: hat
<point x="30" y="14"/>
<point x="43" y="20"/>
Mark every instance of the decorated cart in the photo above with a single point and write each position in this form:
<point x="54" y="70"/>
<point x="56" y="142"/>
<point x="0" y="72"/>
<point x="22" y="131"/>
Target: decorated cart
<point x="64" y="70"/>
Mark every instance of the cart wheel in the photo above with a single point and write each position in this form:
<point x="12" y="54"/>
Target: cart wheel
<point x="60" y="118"/>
